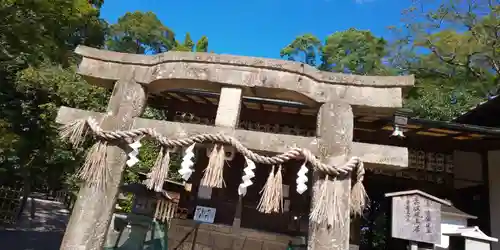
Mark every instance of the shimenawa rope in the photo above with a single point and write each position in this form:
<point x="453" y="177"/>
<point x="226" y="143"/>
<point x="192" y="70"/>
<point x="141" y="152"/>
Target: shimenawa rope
<point x="76" y="130"/>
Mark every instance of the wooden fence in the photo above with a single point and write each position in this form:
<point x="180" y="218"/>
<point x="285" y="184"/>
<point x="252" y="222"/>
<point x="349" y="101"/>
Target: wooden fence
<point x="10" y="203"/>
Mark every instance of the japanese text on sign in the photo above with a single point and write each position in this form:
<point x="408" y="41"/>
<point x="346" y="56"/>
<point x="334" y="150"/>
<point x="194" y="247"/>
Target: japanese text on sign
<point x="416" y="218"/>
<point x="204" y="214"/>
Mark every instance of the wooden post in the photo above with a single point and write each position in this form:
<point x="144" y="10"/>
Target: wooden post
<point x="92" y="212"/>
<point x="335" y="128"/>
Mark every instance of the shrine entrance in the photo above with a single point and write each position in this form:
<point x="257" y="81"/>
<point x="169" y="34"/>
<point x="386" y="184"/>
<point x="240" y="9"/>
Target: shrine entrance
<point x="286" y="127"/>
<point x="445" y="159"/>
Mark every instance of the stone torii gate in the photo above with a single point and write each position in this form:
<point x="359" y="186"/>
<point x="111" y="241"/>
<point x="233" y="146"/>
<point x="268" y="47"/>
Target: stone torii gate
<point x="134" y="77"/>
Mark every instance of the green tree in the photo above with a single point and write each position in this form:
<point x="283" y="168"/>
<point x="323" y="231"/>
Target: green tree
<point x="453" y="50"/>
<point x="188" y="43"/>
<point x="351" y="51"/>
<point x="202" y="44"/>
<point x="354" y="51"/>
<point x="139" y="33"/>
<point x="304" y="48"/>
<point x="29" y="49"/>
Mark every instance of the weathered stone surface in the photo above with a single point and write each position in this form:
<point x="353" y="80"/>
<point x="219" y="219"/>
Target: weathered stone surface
<point x="257" y="76"/>
<point x="337" y="95"/>
<point x="335" y="128"/>
<point x="228" y="111"/>
<point x="88" y="225"/>
<point x="373" y="155"/>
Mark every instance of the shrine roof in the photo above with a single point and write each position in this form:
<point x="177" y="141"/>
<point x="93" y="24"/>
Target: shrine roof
<point x="204" y="103"/>
<point x="457" y="131"/>
<point x="471" y="232"/>
<point x="484" y="114"/>
<point x="453" y="211"/>
<point x="421" y="193"/>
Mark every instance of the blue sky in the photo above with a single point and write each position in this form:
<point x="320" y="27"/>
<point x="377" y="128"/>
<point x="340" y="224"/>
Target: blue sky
<point x="262" y="27"/>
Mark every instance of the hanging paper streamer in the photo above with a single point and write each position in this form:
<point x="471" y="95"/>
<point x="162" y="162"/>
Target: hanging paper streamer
<point x="247" y="177"/>
<point x="302" y="178"/>
<point x="185" y="171"/>
<point x="132" y="156"/>
<point x="326" y="208"/>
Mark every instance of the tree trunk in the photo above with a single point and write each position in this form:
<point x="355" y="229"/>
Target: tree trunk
<point x="26" y="191"/>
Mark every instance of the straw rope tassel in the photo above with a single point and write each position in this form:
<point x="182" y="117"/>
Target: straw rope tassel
<point x="271" y="200"/>
<point x="214" y="173"/>
<point x="359" y="197"/>
<point x="334" y="212"/>
<point x="94" y="170"/>
<point x="159" y="172"/>
<point x="74" y="132"/>
<point x="157" y="210"/>
<point x="266" y="195"/>
<point x="278" y="191"/>
<point x="326" y="208"/>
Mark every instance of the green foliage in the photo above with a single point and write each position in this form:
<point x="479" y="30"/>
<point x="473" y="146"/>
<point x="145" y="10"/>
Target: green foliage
<point x="46" y="87"/>
<point x="438" y="101"/>
<point x="126" y="204"/>
<point x="304" y="48"/>
<point x="28" y="27"/>
<point x="188" y="43"/>
<point x="35" y="80"/>
<point x="140" y="32"/>
<point x="453" y="50"/>
<point x="202" y="44"/>
<point x="353" y="51"/>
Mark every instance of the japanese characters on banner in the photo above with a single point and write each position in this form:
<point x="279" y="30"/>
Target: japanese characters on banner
<point x="425" y="166"/>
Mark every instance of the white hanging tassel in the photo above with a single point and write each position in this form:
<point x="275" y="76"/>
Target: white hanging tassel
<point x="398" y="131"/>
<point x="185" y="171"/>
<point x="246" y="178"/>
<point x="132" y="160"/>
<point x="302" y="178"/>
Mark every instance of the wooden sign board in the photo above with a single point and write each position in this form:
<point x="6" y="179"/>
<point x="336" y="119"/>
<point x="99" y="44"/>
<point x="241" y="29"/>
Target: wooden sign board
<point x="416" y="216"/>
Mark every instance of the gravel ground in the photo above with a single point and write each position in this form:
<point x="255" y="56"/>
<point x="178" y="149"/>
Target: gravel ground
<point x="43" y="232"/>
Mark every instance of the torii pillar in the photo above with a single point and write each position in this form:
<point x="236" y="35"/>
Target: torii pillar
<point x="132" y="77"/>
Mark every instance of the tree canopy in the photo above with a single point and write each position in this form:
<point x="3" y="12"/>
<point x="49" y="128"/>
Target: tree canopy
<point x="451" y="47"/>
<point x="453" y="50"/>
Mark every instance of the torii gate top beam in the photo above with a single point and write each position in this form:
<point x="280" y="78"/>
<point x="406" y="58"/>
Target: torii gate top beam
<point x="267" y="78"/>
